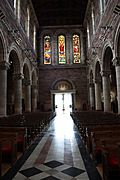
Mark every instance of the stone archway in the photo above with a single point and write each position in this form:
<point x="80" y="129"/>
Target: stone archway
<point x="26" y="90"/>
<point x="63" y="87"/>
<point x="117" y="62"/>
<point x="107" y="78"/>
<point x="14" y="85"/>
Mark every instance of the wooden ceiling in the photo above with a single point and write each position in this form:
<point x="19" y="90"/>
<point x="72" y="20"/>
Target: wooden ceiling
<point x="60" y="12"/>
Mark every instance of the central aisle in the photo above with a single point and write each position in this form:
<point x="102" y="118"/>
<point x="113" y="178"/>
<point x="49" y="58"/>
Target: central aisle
<point x="57" y="155"/>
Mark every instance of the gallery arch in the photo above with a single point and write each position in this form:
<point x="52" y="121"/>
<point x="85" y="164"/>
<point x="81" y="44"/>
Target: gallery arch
<point x="117" y="64"/>
<point x="14" y="84"/>
<point x="106" y="73"/>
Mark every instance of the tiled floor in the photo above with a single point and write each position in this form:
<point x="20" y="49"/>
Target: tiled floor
<point x="58" y="155"/>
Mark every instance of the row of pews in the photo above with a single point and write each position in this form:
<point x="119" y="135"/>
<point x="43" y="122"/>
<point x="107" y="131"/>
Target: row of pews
<point x="17" y="132"/>
<point x="100" y="133"/>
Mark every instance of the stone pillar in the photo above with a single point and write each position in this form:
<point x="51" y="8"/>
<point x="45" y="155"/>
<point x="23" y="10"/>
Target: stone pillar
<point x="92" y="96"/>
<point x="106" y="90"/>
<point x="27" y="87"/>
<point x="55" y="58"/>
<point x="98" y="104"/>
<point x="117" y="63"/>
<point x="3" y="87"/>
<point x="34" y="98"/>
<point x="68" y="50"/>
<point x="18" y="93"/>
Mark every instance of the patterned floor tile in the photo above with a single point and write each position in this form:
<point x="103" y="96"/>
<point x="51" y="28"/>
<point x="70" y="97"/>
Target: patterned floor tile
<point x="52" y="172"/>
<point x="30" y="172"/>
<point x="72" y="171"/>
<point x="50" y="178"/>
<point x="53" y="164"/>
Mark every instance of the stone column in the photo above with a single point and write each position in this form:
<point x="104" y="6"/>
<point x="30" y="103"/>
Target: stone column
<point x="68" y="50"/>
<point x="27" y="95"/>
<point x="3" y="87"/>
<point x="117" y="63"/>
<point x="106" y="90"/>
<point x="98" y="104"/>
<point x="34" y="98"/>
<point x="92" y="96"/>
<point x="18" y="93"/>
<point x="55" y="50"/>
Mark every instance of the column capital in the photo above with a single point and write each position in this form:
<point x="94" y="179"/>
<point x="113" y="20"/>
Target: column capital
<point x="105" y="73"/>
<point x="116" y="61"/>
<point x="26" y="82"/>
<point x="4" y="65"/>
<point x="18" y="76"/>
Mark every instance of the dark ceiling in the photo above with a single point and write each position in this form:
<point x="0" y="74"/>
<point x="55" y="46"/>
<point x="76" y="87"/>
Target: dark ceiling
<point x="60" y="12"/>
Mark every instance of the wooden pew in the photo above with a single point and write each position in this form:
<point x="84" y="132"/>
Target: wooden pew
<point x="5" y="139"/>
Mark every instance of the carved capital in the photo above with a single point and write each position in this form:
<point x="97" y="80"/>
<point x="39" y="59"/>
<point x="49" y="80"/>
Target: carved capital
<point x="26" y="82"/>
<point x="18" y="76"/>
<point x="4" y="65"/>
<point x="116" y="61"/>
<point x="105" y="73"/>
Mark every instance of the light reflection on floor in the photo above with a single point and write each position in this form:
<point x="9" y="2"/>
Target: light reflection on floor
<point x="66" y="130"/>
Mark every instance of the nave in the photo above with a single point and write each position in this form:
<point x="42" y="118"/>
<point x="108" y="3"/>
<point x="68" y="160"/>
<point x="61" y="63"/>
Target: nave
<point x="57" y="154"/>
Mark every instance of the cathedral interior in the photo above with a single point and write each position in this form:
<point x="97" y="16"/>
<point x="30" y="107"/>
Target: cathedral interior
<point x="60" y="89"/>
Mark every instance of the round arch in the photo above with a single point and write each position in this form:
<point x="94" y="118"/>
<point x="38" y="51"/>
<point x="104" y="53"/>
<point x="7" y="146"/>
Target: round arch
<point x="107" y="59"/>
<point x="66" y="88"/>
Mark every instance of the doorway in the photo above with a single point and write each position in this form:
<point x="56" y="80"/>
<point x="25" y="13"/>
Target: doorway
<point x="63" y="102"/>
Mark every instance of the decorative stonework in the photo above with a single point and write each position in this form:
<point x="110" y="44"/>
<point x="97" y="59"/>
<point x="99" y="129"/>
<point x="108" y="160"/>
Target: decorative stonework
<point x="18" y="76"/>
<point x="105" y="73"/>
<point x="116" y="61"/>
<point x="4" y="65"/>
<point x="26" y="82"/>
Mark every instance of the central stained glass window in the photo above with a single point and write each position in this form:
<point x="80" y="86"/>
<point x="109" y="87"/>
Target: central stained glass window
<point x="61" y="49"/>
<point x="47" y="50"/>
<point x="76" y="49"/>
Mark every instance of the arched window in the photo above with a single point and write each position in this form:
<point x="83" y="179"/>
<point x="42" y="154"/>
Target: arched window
<point x="34" y="37"/>
<point x="76" y="49"/>
<point x="93" y="20"/>
<point x="47" y="50"/>
<point x="28" y="22"/>
<point x="102" y="6"/>
<point x="61" y="49"/>
<point x="88" y="35"/>
<point x="17" y="9"/>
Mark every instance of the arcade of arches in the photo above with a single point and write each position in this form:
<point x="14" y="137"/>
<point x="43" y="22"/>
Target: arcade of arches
<point x="57" y="59"/>
<point x="26" y="87"/>
<point x="27" y="78"/>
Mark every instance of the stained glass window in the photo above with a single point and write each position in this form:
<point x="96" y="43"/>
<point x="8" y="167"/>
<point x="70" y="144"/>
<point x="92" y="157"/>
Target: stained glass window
<point x="61" y="47"/>
<point x="76" y="49"/>
<point x="47" y="50"/>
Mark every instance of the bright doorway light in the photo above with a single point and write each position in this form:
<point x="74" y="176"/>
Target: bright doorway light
<point x="63" y="102"/>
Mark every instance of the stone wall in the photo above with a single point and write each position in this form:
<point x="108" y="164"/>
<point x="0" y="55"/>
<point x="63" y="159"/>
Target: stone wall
<point x="49" y="74"/>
